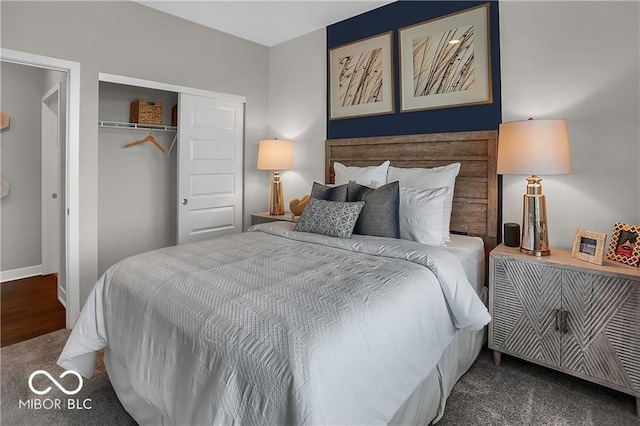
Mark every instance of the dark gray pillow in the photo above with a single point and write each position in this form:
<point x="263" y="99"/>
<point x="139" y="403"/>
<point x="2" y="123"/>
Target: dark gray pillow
<point x="329" y="193"/>
<point x="331" y="218"/>
<point x="380" y="215"/>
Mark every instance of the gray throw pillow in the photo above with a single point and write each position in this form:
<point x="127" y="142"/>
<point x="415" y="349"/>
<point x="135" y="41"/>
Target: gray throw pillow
<point x="331" y="218"/>
<point x="380" y="215"/>
<point x="329" y="193"/>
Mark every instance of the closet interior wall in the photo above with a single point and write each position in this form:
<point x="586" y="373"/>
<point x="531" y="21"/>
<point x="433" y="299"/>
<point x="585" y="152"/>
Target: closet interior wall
<point x="136" y="185"/>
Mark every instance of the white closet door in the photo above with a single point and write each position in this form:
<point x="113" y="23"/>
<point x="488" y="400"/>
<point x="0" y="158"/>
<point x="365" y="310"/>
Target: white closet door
<point x="210" y="150"/>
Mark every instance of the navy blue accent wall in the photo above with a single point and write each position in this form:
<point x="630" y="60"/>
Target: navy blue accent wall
<point x="393" y="17"/>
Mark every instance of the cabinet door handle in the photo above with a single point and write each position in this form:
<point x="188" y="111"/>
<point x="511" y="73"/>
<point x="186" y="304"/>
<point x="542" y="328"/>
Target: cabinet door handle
<point x="565" y="321"/>
<point x="561" y="320"/>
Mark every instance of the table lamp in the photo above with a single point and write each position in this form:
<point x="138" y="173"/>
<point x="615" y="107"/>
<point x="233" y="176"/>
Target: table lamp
<point x="534" y="147"/>
<point x="276" y="155"/>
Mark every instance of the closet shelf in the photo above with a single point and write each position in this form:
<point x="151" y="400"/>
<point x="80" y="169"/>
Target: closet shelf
<point x="136" y="126"/>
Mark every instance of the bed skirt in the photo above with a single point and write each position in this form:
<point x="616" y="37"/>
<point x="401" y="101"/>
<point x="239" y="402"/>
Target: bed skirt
<point x="426" y="405"/>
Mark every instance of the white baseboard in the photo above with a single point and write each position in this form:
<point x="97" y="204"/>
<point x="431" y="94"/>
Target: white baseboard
<point x="17" y="274"/>
<point x="62" y="296"/>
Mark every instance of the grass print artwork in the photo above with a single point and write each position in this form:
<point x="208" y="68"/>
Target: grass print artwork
<point x="443" y="63"/>
<point x="361" y="77"/>
<point x="446" y="62"/>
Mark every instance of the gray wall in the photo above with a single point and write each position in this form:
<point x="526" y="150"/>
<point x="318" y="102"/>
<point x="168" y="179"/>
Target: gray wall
<point x="297" y="110"/>
<point x="21" y="98"/>
<point x="129" y="39"/>
<point x="136" y="185"/>
<point x="579" y="61"/>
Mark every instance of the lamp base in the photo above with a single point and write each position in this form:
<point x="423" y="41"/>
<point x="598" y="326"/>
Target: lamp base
<point x="535" y="238"/>
<point x="276" y="196"/>
<point x="535" y="252"/>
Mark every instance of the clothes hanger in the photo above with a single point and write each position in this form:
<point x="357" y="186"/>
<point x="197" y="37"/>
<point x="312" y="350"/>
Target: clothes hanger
<point x="149" y="138"/>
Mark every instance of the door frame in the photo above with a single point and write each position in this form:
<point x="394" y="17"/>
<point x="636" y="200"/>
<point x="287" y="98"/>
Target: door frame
<point x="49" y="259"/>
<point x="149" y="84"/>
<point x="72" y="169"/>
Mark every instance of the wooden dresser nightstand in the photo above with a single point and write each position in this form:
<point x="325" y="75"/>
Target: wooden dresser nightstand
<point x="575" y="317"/>
<point x="265" y="217"/>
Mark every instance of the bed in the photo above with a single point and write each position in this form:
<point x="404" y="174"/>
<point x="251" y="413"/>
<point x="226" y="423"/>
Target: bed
<point x="322" y="352"/>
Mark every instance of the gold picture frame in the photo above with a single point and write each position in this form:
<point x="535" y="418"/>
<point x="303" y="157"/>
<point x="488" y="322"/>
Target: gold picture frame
<point x="446" y="62"/>
<point x="624" y="246"/>
<point x="588" y="246"/>
<point x="361" y="78"/>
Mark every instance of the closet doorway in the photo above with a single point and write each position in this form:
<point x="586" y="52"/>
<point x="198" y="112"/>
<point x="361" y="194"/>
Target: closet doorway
<point x="184" y="186"/>
<point x="57" y="111"/>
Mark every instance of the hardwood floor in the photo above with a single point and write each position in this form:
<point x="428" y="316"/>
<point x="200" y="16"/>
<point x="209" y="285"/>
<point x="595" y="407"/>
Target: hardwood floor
<point x="29" y="308"/>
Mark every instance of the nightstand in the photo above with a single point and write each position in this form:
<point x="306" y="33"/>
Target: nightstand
<point x="573" y="316"/>
<point x="265" y="217"/>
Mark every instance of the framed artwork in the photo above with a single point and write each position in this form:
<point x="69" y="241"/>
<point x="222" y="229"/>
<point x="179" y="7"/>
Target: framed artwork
<point x="361" y="78"/>
<point x="625" y="244"/>
<point x="588" y="246"/>
<point x="446" y="62"/>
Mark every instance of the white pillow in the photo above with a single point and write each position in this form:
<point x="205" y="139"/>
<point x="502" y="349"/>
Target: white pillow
<point x="436" y="177"/>
<point x="361" y="175"/>
<point x="421" y="214"/>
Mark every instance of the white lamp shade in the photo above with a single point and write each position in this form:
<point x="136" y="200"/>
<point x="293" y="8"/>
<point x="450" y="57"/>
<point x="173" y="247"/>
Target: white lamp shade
<point x="534" y="147"/>
<point x="275" y="154"/>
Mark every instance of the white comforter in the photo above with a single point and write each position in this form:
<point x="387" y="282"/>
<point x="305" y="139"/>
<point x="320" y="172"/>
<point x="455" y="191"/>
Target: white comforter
<point x="277" y="326"/>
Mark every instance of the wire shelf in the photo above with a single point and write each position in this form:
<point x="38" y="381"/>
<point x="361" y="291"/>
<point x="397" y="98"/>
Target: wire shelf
<point x="136" y="126"/>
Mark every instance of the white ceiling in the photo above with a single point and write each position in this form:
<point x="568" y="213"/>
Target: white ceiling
<point x="265" y="22"/>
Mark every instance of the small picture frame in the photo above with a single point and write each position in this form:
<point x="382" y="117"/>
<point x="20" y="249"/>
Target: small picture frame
<point x="588" y="246"/>
<point x="625" y="244"/>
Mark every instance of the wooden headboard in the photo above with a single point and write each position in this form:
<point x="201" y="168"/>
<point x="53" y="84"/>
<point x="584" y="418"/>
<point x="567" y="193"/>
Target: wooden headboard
<point x="475" y="201"/>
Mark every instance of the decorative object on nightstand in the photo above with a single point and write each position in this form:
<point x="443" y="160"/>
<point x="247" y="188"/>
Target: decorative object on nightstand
<point x="5" y="120"/>
<point x="588" y="246"/>
<point x="276" y="155"/>
<point x="575" y="317"/>
<point x="534" y="147"/>
<point x="625" y="244"/>
<point x="511" y="234"/>
<point x="297" y="206"/>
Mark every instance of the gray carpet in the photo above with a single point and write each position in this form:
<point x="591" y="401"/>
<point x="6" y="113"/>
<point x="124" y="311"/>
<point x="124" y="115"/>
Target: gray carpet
<point x="18" y="361"/>
<point x="517" y="393"/>
<point x="520" y="393"/>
